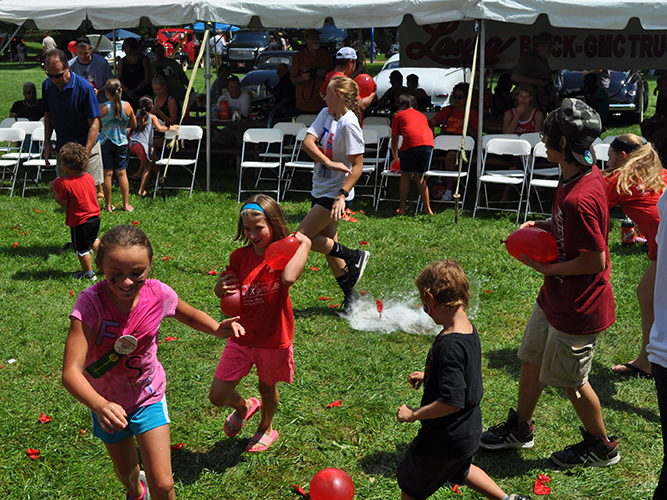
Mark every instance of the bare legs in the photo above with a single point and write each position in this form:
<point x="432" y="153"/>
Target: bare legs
<point x="323" y="232"/>
<point x="124" y="185"/>
<point x="421" y="187"/>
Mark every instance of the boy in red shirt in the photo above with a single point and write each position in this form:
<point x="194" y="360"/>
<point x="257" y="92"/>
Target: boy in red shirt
<point x="77" y="194"/>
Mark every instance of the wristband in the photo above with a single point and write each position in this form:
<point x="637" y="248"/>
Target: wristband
<point x="343" y="192"/>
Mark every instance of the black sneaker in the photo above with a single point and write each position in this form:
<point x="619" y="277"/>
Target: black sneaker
<point x="592" y="452"/>
<point x="356" y="266"/>
<point x="351" y="298"/>
<point x="510" y="434"/>
<point x="80" y="275"/>
<point x="519" y="497"/>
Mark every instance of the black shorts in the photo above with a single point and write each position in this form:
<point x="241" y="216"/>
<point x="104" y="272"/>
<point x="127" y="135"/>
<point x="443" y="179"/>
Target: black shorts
<point x="421" y="476"/>
<point x="325" y="202"/>
<point x="415" y="159"/>
<point x="84" y="235"/>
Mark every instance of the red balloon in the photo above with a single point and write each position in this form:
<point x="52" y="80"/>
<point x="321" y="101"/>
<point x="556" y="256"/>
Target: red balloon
<point x="230" y="304"/>
<point x="366" y="84"/>
<point x="534" y="243"/>
<point x="72" y="47"/>
<point x="280" y="252"/>
<point x="332" y="484"/>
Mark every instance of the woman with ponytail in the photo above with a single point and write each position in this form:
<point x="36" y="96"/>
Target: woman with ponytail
<point x="635" y="180"/>
<point x="336" y="144"/>
<point x="117" y="119"/>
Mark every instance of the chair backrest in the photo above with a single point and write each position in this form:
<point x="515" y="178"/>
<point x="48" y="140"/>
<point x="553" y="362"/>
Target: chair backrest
<point x="290" y="128"/>
<point x="257" y="135"/>
<point x="12" y="135"/>
<point x="452" y="143"/>
<point x="609" y="139"/>
<point x="488" y="137"/>
<point x="532" y="137"/>
<point x="189" y="133"/>
<point x="601" y="151"/>
<point x="384" y="131"/>
<point x="298" y="143"/>
<point x="371" y="136"/>
<point x="540" y="150"/>
<point x="29" y="127"/>
<point x="307" y="119"/>
<point x="514" y="147"/>
<point x="597" y="141"/>
<point x="377" y="120"/>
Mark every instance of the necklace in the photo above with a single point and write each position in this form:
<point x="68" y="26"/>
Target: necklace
<point x="574" y="177"/>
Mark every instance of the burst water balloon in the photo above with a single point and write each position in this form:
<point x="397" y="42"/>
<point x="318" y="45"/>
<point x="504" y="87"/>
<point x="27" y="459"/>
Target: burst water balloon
<point x="534" y="243"/>
<point x="332" y="484"/>
<point x="280" y="252"/>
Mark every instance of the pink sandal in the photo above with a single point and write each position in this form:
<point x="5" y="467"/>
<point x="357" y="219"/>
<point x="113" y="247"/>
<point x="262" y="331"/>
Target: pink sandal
<point x="266" y="440"/>
<point x="234" y="424"/>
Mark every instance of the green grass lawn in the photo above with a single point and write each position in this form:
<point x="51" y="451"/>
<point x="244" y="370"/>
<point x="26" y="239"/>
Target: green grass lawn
<point x="365" y="368"/>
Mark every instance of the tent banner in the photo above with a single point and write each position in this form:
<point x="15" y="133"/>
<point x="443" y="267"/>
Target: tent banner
<point x="452" y="44"/>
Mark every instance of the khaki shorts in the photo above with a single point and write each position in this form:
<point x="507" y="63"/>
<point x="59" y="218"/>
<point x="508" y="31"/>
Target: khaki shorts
<point x="565" y="359"/>
<point x="95" y="166"/>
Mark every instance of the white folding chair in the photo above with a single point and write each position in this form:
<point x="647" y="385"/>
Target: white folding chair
<point x="486" y="138"/>
<point x="297" y="163"/>
<point x="10" y="166"/>
<point x="306" y="119"/>
<point x="450" y="143"/>
<point x="26" y="154"/>
<point x="367" y="183"/>
<point x="532" y="137"/>
<point x="602" y="153"/>
<point x="385" y="175"/>
<point x="289" y="130"/>
<point x="260" y="136"/>
<point x="37" y="138"/>
<point x="517" y="178"/>
<point x="184" y="133"/>
<point x="8" y="122"/>
<point x="377" y="120"/>
<point x="384" y="133"/>
<point x="540" y="178"/>
<point x="609" y="139"/>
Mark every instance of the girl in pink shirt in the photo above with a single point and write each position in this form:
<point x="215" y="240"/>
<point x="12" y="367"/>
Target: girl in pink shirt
<point x="111" y="363"/>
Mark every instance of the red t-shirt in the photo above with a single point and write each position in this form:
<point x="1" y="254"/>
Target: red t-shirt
<point x="640" y="206"/>
<point x="266" y="308"/>
<point x="330" y="75"/>
<point x="81" y="196"/>
<point x="450" y="120"/>
<point x="413" y="126"/>
<point x="583" y="304"/>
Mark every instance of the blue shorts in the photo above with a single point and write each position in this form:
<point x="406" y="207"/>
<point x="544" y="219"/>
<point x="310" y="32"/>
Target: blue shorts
<point x="143" y="419"/>
<point x="415" y="160"/>
<point x="114" y="157"/>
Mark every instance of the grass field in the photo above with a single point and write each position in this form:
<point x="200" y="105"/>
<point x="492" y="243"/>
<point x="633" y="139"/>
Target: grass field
<point x="367" y="369"/>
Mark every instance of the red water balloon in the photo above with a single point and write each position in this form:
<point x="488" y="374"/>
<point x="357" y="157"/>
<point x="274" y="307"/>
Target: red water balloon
<point x="534" y="243"/>
<point x="71" y="46"/>
<point x="280" y="252"/>
<point x="332" y="484"/>
<point x="366" y="84"/>
<point x="230" y="304"/>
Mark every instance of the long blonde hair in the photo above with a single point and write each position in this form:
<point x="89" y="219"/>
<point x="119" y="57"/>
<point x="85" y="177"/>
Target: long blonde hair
<point x="642" y="167"/>
<point x="349" y="92"/>
<point x="114" y="89"/>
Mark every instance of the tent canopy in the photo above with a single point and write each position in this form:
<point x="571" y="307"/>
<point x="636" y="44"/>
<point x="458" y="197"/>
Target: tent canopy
<point x="69" y="14"/>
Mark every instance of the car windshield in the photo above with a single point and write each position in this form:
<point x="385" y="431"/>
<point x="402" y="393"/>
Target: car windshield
<point x="170" y="34"/>
<point x="252" y="37"/>
<point x="330" y="33"/>
<point x="272" y="60"/>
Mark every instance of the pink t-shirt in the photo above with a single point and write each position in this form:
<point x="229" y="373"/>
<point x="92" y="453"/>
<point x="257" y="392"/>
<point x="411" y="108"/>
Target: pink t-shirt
<point x="138" y="378"/>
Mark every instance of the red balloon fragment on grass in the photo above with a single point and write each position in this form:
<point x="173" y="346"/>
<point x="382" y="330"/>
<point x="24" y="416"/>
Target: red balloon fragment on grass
<point x="166" y="258"/>
<point x="71" y="293"/>
<point x="380" y="307"/>
<point x="16" y="244"/>
<point x="298" y="489"/>
<point x="313" y="268"/>
<point x="335" y="403"/>
<point x="212" y="273"/>
<point x="457" y="489"/>
<point x="33" y="454"/>
<point x="541" y="487"/>
<point x="177" y="446"/>
<point x="363" y="243"/>
<point x="135" y="222"/>
<point x="326" y="298"/>
<point x="534" y="243"/>
<point x="44" y="418"/>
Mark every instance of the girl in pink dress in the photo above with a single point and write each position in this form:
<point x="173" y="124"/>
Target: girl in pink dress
<point x="111" y="362"/>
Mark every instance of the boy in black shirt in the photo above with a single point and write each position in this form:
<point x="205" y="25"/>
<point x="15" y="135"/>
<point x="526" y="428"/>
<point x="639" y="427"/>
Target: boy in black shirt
<point x="451" y="418"/>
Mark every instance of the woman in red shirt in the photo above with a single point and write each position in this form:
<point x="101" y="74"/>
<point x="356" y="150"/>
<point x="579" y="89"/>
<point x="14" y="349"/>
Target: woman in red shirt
<point x="415" y="152"/>
<point x="635" y="180"/>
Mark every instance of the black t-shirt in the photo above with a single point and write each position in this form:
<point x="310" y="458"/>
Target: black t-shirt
<point x="22" y="110"/>
<point x="453" y="376"/>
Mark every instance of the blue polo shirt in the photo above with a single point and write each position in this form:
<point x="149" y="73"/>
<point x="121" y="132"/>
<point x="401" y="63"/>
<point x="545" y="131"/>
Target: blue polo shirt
<point x="70" y="109"/>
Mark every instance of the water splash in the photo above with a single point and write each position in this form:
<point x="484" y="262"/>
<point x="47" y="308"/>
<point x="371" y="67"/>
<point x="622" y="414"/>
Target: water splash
<point x="400" y="314"/>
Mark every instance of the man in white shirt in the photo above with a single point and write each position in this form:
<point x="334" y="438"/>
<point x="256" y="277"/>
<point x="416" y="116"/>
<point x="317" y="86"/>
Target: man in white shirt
<point x="218" y="43"/>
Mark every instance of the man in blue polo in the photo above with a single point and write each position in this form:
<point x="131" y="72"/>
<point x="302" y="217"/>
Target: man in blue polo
<point x="72" y="110"/>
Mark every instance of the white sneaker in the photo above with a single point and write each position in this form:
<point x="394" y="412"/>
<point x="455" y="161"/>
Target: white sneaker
<point x="448" y="196"/>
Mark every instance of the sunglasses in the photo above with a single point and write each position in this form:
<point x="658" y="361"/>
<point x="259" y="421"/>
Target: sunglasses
<point x="458" y="96"/>
<point x="57" y="76"/>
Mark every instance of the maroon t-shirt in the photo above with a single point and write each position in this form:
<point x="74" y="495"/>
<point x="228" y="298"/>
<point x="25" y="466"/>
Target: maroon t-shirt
<point x="584" y="304"/>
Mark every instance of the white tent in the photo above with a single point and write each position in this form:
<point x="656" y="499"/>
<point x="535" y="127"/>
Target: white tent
<point x="570" y="14"/>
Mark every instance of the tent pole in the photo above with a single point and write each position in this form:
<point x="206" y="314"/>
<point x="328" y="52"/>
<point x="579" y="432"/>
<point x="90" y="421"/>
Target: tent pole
<point x="480" y="119"/>
<point x="207" y="86"/>
<point x="115" y="63"/>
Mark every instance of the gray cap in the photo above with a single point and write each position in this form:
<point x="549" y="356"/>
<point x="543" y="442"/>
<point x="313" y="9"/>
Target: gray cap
<point x="581" y="125"/>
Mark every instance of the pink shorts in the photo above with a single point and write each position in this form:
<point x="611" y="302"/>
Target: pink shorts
<point x="139" y="150"/>
<point x="273" y="365"/>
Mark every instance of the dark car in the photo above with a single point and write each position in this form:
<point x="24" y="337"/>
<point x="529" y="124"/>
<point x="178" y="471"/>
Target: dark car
<point x="628" y="91"/>
<point x="333" y="38"/>
<point x="265" y="67"/>
<point x="243" y="49"/>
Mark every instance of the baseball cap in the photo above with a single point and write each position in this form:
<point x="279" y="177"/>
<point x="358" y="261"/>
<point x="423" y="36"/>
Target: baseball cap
<point x="581" y="125"/>
<point x="310" y="33"/>
<point x="346" y="53"/>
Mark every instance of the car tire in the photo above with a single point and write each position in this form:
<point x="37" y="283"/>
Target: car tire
<point x="639" y="112"/>
<point x="184" y="63"/>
